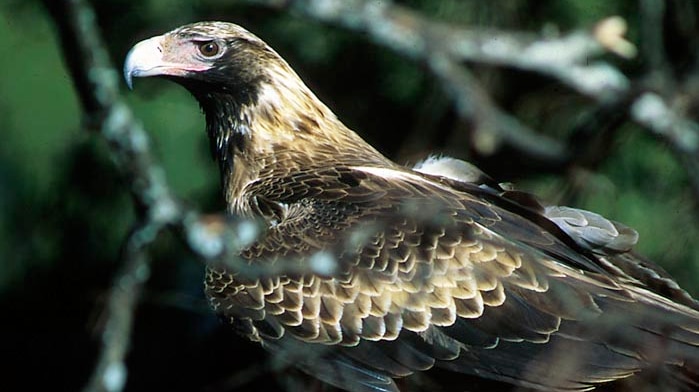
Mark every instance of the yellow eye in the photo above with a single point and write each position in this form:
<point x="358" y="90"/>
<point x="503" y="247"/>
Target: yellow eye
<point x="209" y="49"/>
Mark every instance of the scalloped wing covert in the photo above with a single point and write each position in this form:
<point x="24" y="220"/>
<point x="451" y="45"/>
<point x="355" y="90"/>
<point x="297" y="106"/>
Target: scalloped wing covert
<point x="412" y="255"/>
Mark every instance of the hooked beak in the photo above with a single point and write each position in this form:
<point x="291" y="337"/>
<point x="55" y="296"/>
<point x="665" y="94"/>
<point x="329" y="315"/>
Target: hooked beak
<point x="145" y="59"/>
<point x="154" y="57"/>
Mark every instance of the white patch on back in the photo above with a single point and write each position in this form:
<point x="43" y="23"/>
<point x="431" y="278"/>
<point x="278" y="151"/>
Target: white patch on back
<point x="393" y="174"/>
<point x="449" y="167"/>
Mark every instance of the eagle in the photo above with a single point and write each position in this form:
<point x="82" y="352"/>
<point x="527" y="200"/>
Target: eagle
<point x="369" y="271"/>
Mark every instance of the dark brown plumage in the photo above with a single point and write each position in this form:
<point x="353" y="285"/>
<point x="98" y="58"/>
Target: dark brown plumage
<point x="401" y="270"/>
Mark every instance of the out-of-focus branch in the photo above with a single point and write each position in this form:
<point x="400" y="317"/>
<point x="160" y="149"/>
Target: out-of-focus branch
<point x="110" y="373"/>
<point x="653" y="112"/>
<point x="97" y="85"/>
<point x="665" y="107"/>
<point x="472" y="102"/>
<point x="566" y="58"/>
<point x="212" y="238"/>
<point x="445" y="47"/>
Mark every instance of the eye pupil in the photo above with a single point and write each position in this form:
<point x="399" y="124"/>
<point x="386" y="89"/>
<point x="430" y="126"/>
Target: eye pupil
<point x="209" y="49"/>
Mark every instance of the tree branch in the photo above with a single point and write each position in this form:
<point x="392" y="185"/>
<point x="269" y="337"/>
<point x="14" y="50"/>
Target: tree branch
<point x="444" y="47"/>
<point x="565" y="58"/>
<point x="111" y="372"/>
<point x="97" y="85"/>
<point x="212" y="238"/>
<point x="651" y="111"/>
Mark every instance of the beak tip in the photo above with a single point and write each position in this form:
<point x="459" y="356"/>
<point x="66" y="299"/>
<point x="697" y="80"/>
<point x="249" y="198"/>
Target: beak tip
<point x="129" y="70"/>
<point x="129" y="79"/>
<point x="142" y="60"/>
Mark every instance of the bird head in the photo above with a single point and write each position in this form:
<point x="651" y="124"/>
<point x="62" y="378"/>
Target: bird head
<point x="207" y="58"/>
<point x="257" y="108"/>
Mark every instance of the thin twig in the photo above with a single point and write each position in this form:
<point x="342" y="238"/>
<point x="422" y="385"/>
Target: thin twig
<point x="110" y="373"/>
<point x="474" y="103"/>
<point x="445" y="47"/>
<point x="652" y="111"/>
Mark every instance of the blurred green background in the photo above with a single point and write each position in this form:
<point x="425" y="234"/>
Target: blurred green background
<point x="64" y="210"/>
